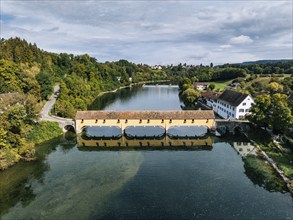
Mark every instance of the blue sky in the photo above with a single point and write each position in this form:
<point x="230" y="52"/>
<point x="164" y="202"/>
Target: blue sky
<point x="155" y="32"/>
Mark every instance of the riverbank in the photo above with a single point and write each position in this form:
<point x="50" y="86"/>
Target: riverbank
<point x="132" y="84"/>
<point x="41" y="132"/>
<point x="281" y="161"/>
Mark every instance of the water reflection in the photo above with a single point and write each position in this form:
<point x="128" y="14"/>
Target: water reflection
<point x="187" y="131"/>
<point x="16" y="182"/>
<point x="257" y="169"/>
<point x="164" y="142"/>
<point x="76" y="186"/>
<point x="245" y="148"/>
<point x="101" y="132"/>
<point x="109" y="98"/>
<point x="143" y="132"/>
<point x="262" y="174"/>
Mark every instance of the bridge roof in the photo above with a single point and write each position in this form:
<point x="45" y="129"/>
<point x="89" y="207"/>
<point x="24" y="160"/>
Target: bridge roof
<point x="194" y="114"/>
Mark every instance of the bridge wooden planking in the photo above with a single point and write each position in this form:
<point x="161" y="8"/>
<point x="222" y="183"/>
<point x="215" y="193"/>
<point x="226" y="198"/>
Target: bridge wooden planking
<point x="165" y="119"/>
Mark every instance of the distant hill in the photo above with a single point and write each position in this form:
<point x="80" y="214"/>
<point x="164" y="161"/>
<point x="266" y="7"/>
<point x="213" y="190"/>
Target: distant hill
<point x="266" y="61"/>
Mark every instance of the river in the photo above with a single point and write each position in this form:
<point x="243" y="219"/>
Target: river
<point x="215" y="180"/>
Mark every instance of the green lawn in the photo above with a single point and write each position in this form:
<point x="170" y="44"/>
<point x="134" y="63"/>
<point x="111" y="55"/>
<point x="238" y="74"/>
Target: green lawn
<point x="221" y="85"/>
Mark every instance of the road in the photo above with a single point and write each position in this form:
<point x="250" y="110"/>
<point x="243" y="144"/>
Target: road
<point x="45" y="112"/>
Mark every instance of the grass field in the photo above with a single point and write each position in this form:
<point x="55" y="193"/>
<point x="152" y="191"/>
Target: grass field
<point x="221" y="85"/>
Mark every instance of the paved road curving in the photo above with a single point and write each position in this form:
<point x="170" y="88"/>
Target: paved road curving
<point x="45" y="112"/>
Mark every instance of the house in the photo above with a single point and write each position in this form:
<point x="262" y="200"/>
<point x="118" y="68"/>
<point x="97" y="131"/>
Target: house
<point x="157" y="67"/>
<point x="234" y="105"/>
<point x="210" y="99"/>
<point x="200" y="86"/>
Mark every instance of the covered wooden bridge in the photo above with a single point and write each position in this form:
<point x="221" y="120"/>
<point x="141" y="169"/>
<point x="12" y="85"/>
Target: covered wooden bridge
<point x="165" y="119"/>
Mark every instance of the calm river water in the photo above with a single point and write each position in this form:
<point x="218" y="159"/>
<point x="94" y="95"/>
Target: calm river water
<point x="214" y="181"/>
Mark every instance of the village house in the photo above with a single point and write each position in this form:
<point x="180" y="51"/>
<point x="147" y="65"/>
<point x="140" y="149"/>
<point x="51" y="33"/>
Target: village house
<point x="209" y="98"/>
<point x="200" y="86"/>
<point x="157" y="67"/>
<point x="233" y="105"/>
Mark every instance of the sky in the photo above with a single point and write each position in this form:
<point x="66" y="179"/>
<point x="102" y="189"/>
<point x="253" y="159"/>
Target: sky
<point x="155" y="32"/>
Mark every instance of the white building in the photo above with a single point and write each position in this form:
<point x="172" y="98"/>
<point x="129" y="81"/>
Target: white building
<point x="200" y="86"/>
<point x="210" y="99"/>
<point x="234" y="105"/>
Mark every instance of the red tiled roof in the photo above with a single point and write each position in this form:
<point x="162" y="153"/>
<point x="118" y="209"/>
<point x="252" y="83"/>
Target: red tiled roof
<point x="196" y="114"/>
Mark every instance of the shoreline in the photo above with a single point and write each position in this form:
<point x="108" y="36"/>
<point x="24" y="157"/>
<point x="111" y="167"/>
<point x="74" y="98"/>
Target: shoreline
<point x="132" y="84"/>
<point x="273" y="164"/>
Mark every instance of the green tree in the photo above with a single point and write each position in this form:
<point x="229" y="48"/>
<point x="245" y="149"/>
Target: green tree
<point x="46" y="82"/>
<point x="281" y="115"/>
<point x="212" y="86"/>
<point x="190" y="95"/>
<point x="260" y="111"/>
<point x="274" y="87"/>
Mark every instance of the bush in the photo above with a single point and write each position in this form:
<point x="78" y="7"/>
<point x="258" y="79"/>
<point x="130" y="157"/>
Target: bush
<point x="44" y="131"/>
<point x="288" y="141"/>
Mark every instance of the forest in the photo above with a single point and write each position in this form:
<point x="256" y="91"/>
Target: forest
<point x="27" y="77"/>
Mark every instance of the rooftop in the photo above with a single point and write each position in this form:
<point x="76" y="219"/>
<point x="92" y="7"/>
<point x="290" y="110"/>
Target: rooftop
<point x="195" y="114"/>
<point x="232" y="97"/>
<point x="210" y="95"/>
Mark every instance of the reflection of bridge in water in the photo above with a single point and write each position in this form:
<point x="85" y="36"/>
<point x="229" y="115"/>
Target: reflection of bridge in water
<point x="133" y="143"/>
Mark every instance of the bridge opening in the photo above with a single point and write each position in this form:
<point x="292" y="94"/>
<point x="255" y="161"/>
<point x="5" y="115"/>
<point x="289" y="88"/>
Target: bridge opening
<point x="69" y="128"/>
<point x="238" y="130"/>
<point x="144" y="132"/>
<point x="101" y="132"/>
<point x="187" y="131"/>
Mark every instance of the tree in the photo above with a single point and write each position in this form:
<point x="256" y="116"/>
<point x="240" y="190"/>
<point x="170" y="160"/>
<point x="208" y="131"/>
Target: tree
<point x="281" y="115"/>
<point x="190" y="95"/>
<point x="185" y="81"/>
<point x="260" y="111"/>
<point x="274" y="87"/>
<point x="273" y="112"/>
<point x="212" y="86"/>
<point x="45" y="80"/>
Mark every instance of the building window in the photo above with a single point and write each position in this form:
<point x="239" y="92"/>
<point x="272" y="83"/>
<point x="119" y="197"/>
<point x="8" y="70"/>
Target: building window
<point x="170" y="121"/>
<point x="148" y="120"/>
<point x="241" y="110"/>
<point x="162" y="120"/>
<point x="118" y="121"/>
<point x="246" y="110"/>
<point x="104" y="121"/>
<point x="244" y="103"/>
<point x="184" y="121"/>
<point x="96" y="120"/>
<point x="126" y="121"/>
<point x="140" y="121"/>
<point x="233" y="115"/>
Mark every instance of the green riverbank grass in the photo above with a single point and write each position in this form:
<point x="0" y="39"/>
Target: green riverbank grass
<point x="44" y="131"/>
<point x="262" y="174"/>
<point x="283" y="159"/>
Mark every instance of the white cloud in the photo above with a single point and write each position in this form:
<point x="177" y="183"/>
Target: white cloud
<point x="155" y="31"/>
<point x="225" y="46"/>
<point x="242" y="39"/>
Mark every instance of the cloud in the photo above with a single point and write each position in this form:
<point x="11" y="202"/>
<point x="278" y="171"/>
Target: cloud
<point x="225" y="46"/>
<point x="155" y="31"/>
<point x="241" y="40"/>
